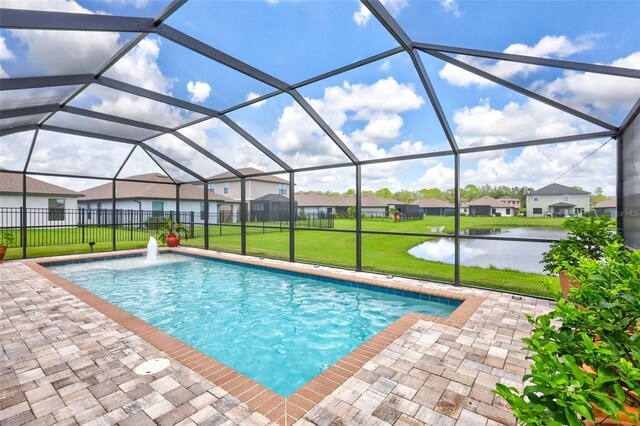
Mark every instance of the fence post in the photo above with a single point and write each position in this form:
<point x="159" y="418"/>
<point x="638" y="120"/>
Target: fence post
<point x="131" y="225"/>
<point x="192" y="219"/>
<point x="23" y="231"/>
<point x="113" y="215"/>
<point x="82" y="223"/>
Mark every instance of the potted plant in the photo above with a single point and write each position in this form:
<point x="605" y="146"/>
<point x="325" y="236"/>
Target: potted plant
<point x="7" y="238"/>
<point x="586" y="237"/>
<point x="586" y="351"/>
<point x="171" y="232"/>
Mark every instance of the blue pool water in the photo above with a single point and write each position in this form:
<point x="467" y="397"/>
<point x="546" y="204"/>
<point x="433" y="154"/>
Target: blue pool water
<point x="277" y="328"/>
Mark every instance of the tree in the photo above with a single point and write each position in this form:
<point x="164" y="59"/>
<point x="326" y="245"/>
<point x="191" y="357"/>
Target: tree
<point x="405" y="196"/>
<point x="597" y="197"/>
<point x="350" y="191"/>
<point x="423" y="194"/>
<point x="384" y="193"/>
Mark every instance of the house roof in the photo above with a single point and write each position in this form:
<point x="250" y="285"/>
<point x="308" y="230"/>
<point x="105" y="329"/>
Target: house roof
<point x="316" y="199"/>
<point x="434" y="202"/>
<point x="488" y="201"/>
<point x="505" y="198"/>
<point x="273" y="198"/>
<point x="11" y="183"/>
<point x="562" y="204"/>
<point x="151" y="190"/>
<point x="610" y="202"/>
<point x="557" y="189"/>
<point x="249" y="171"/>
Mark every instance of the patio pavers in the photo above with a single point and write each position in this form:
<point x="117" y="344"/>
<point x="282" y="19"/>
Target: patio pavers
<point x="64" y="362"/>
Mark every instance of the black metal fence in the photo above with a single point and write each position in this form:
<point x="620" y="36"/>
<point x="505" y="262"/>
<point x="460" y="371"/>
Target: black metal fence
<point x="47" y="227"/>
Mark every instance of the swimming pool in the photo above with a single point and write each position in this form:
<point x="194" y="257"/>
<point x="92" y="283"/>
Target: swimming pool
<point x="280" y="329"/>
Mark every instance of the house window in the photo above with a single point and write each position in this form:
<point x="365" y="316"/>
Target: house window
<point x="56" y="209"/>
<point x="537" y="210"/>
<point x="226" y="188"/>
<point x="565" y="198"/>
<point x="282" y="189"/>
<point x="508" y="212"/>
<point x="212" y="187"/>
<point x="157" y="208"/>
<point x="535" y="198"/>
<point x="201" y="210"/>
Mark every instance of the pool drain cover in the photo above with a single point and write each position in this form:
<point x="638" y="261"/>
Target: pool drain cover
<point x="152" y="366"/>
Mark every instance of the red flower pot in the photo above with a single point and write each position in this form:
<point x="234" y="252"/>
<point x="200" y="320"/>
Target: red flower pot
<point x="173" y="240"/>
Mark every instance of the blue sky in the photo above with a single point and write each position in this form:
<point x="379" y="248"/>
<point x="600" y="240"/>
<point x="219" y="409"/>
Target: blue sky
<point x="380" y="110"/>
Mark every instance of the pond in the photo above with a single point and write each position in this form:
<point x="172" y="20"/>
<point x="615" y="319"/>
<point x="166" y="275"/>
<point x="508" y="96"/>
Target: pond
<point x="520" y="256"/>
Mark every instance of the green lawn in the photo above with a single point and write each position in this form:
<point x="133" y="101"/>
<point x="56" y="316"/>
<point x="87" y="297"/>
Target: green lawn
<point x="380" y="253"/>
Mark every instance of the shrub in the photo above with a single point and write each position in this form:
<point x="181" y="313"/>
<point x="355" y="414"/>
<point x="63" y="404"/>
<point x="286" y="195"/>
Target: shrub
<point x="585" y="352"/>
<point x="586" y="238"/>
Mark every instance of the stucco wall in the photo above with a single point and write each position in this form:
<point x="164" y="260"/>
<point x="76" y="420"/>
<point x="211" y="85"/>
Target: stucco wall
<point x="544" y="201"/>
<point x="35" y="218"/>
<point x="631" y="184"/>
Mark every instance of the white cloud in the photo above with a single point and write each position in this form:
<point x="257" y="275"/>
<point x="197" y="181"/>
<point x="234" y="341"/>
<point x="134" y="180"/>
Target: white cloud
<point x="5" y="55"/>
<point x="77" y="155"/>
<point x="537" y="166"/>
<point x="228" y="145"/>
<point x="439" y="176"/>
<point x="451" y="6"/>
<point x="362" y="16"/>
<point x="548" y="46"/>
<point x="253" y="95"/>
<point x="199" y="91"/>
<point x="378" y="105"/>
<point x="62" y="52"/>
<point x="485" y="125"/>
<point x="385" y="66"/>
<point x="140" y="67"/>
<point x="138" y="4"/>
<point x="597" y="93"/>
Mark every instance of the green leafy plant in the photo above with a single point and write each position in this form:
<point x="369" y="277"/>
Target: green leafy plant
<point x="171" y="227"/>
<point x="586" y="352"/>
<point x="351" y="212"/>
<point x="586" y="238"/>
<point x="7" y="238"/>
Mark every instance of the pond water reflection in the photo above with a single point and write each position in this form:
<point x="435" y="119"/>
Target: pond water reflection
<point x="520" y="256"/>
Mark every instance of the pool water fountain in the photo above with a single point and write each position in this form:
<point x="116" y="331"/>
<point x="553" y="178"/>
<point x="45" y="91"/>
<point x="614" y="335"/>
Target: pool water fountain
<point x="152" y="250"/>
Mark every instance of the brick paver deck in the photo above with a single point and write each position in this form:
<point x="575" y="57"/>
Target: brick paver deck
<point x="62" y="361"/>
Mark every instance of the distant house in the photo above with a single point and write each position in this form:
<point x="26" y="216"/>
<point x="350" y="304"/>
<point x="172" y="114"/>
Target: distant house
<point x="512" y="202"/>
<point x="487" y="206"/>
<point x="48" y="204"/>
<point x="157" y="196"/>
<point x="557" y="200"/>
<point x="228" y="185"/>
<point x="317" y="203"/>
<point x="435" y="207"/>
<point x="608" y="206"/>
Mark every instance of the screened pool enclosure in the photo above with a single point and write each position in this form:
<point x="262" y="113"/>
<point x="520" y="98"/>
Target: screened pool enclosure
<point x="114" y="117"/>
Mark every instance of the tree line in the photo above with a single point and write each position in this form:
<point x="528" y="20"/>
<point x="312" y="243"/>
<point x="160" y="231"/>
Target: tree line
<point x="467" y="193"/>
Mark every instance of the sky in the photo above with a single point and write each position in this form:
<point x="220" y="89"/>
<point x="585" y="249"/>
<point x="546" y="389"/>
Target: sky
<point x="380" y="110"/>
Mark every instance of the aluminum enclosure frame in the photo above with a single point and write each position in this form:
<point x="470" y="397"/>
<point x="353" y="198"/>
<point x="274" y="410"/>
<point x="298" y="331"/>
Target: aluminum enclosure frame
<point x="141" y="27"/>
